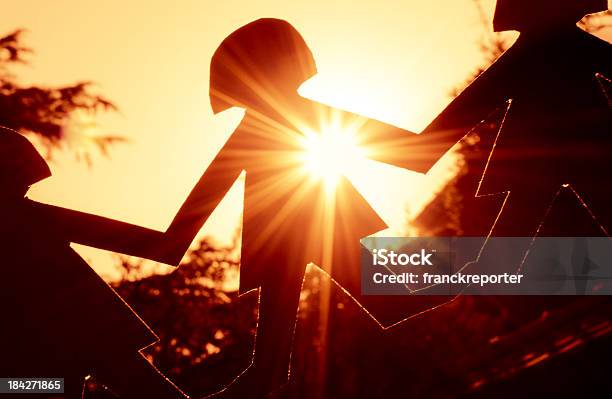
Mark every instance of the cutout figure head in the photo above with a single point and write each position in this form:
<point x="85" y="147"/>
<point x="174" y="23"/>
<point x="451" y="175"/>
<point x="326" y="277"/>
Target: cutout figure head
<point x="20" y="164"/>
<point x="261" y="61"/>
<point x="530" y="15"/>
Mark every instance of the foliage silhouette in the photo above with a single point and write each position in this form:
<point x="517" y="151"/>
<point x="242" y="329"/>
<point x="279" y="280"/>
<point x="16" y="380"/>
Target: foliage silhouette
<point x="46" y="111"/>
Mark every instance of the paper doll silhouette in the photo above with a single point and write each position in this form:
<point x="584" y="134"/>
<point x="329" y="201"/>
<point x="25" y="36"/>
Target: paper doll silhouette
<point x="557" y="130"/>
<point x="290" y="218"/>
<point x="60" y="319"/>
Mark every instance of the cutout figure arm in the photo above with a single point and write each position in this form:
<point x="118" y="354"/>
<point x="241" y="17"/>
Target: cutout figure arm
<point x="419" y="152"/>
<point x="203" y="200"/>
<point x="168" y="247"/>
<point x="100" y="232"/>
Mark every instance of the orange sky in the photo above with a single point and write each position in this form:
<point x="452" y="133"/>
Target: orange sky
<point x="392" y="60"/>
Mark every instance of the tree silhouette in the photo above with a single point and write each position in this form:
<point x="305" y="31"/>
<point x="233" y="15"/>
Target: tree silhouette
<point x="45" y="112"/>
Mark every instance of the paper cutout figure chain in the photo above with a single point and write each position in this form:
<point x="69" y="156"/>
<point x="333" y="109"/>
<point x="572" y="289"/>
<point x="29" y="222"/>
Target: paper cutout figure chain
<point x="557" y="132"/>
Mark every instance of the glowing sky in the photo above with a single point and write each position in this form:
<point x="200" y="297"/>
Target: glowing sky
<point x="392" y="60"/>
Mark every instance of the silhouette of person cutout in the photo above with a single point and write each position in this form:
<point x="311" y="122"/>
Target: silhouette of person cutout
<point x="557" y="130"/>
<point x="290" y="218"/>
<point x="60" y="319"/>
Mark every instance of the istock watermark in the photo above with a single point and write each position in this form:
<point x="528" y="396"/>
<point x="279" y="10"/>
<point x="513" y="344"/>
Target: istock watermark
<point x="487" y="266"/>
<point x="384" y="257"/>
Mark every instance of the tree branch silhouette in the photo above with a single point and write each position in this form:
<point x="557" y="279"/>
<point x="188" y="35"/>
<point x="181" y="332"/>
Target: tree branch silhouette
<point x="46" y="112"/>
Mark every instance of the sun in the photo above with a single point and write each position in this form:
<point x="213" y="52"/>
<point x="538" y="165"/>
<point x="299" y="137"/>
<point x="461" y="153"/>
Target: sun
<point x="331" y="153"/>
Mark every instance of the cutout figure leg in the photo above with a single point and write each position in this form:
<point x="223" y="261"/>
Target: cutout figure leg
<point x="278" y="305"/>
<point x="279" y="300"/>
